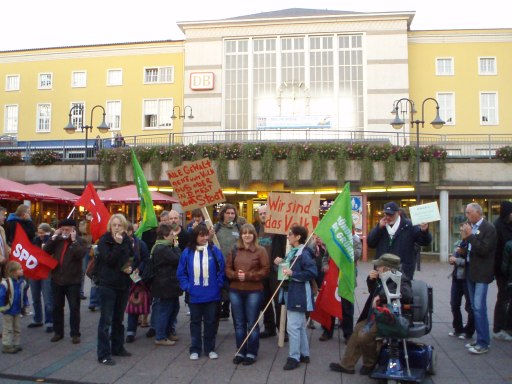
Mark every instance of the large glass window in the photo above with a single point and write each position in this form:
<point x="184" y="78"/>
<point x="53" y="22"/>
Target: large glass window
<point x="351" y="82"/>
<point x="44" y="114"/>
<point x="11" y="119"/>
<point x="237" y="86"/>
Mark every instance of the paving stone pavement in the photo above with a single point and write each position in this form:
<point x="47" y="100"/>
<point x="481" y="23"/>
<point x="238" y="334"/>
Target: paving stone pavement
<point x="63" y="362"/>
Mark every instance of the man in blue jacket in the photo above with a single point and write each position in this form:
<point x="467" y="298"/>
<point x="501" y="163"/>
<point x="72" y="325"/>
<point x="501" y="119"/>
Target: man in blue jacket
<point x="396" y="234"/>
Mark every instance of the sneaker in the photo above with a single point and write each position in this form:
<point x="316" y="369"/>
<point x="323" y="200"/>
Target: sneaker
<point x="123" y="353"/>
<point x="164" y="342"/>
<point x="107" y="361"/>
<point x="194" y="356"/>
<point x="238" y="359"/>
<point x="454" y="334"/>
<point x="465" y="336"/>
<point x="478" y="350"/>
<point x="470" y="345"/>
<point x="501" y="335"/>
<point x="130" y="338"/>
<point x="213" y="355"/>
<point x="291" y="363"/>
<point x="174" y="337"/>
<point x="8" y="349"/>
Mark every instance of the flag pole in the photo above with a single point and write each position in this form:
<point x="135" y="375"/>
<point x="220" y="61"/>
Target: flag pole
<point x="70" y="213"/>
<point x="262" y="313"/>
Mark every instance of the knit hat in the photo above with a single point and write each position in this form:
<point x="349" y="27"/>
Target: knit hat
<point x="388" y="260"/>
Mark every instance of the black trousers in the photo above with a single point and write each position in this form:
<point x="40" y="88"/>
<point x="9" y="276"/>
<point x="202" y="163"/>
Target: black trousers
<point x="60" y="294"/>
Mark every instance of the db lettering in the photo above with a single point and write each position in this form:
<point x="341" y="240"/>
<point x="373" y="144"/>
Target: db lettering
<point x="22" y="254"/>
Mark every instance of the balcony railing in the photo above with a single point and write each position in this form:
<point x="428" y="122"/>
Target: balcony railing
<point x="457" y="145"/>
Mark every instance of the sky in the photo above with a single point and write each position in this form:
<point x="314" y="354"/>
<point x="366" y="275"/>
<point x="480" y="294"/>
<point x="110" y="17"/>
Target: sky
<point x="53" y="23"/>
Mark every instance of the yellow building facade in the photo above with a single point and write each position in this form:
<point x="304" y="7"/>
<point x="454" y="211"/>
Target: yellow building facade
<point x="468" y="72"/>
<point x="138" y="84"/>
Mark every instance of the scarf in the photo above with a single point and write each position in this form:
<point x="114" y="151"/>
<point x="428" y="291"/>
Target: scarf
<point x="198" y="265"/>
<point x="392" y="229"/>
<point x="158" y="242"/>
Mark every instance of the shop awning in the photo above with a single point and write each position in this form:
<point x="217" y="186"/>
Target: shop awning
<point x="128" y="194"/>
<point x="54" y="194"/>
<point x="11" y="190"/>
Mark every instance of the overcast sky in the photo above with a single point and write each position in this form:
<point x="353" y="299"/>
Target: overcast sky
<point x="40" y="24"/>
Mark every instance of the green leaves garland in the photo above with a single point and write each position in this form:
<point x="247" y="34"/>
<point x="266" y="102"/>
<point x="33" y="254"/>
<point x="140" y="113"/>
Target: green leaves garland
<point x="244" y="166"/>
<point x="268" y="166"/>
<point x="293" y="167"/>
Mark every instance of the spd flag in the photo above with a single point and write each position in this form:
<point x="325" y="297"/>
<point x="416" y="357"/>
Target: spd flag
<point x="328" y="303"/>
<point x="100" y="214"/>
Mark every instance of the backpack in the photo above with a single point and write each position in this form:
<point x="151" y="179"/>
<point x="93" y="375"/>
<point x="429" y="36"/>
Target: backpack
<point x="6" y="305"/>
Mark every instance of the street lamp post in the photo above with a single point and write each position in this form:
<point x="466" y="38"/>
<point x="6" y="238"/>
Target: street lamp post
<point x="179" y="115"/>
<point x="71" y="128"/>
<point x="398" y="123"/>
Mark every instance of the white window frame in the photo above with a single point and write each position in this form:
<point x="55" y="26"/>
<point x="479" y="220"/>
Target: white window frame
<point x="76" y="84"/>
<point x="451" y="70"/>
<point x="42" y="119"/>
<point x="160" y="76"/>
<point x="113" y="118"/>
<point x="484" y="71"/>
<point x="11" y="120"/>
<point x="40" y="84"/>
<point x="114" y="82"/>
<point x="443" y="107"/>
<point x="483" y="112"/>
<point x="76" y="116"/>
<point x="14" y="85"/>
<point x="163" y="115"/>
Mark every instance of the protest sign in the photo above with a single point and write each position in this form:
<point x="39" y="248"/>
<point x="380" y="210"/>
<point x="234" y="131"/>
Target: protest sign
<point x="196" y="184"/>
<point x="424" y="213"/>
<point x="287" y="209"/>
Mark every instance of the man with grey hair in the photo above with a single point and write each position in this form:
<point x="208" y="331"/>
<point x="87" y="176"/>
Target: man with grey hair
<point x="481" y="238"/>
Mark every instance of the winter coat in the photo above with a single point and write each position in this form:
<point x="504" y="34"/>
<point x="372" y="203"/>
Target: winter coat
<point x="254" y="262"/>
<point x="482" y="253"/>
<point x="18" y="298"/>
<point x="403" y="241"/>
<point x="10" y="227"/>
<point x="112" y="258"/>
<point x="202" y="293"/>
<point x="503" y="234"/>
<point x="165" y="260"/>
<point x="69" y="256"/>
<point x="297" y="292"/>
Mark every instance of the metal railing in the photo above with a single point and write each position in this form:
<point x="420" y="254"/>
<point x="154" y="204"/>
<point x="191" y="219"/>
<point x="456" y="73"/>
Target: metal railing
<point x="457" y="145"/>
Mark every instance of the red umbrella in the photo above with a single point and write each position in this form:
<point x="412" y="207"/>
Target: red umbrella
<point x="11" y="190"/>
<point x="54" y="194"/>
<point x="128" y="194"/>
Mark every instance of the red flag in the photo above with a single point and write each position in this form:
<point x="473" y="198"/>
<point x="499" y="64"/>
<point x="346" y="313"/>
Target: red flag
<point x="100" y="215"/>
<point x="36" y="263"/>
<point x="328" y="302"/>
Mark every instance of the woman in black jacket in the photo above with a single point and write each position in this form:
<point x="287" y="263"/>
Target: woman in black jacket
<point x="112" y="269"/>
<point x="165" y="288"/>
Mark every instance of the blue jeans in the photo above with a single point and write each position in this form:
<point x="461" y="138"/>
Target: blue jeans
<point x="297" y="336"/>
<point x="113" y="304"/>
<point x="163" y="311"/>
<point x="478" y="298"/>
<point x="94" y="299"/>
<point x="133" y="322"/>
<point x="203" y="313"/>
<point x="44" y="288"/>
<point x="245" y="309"/>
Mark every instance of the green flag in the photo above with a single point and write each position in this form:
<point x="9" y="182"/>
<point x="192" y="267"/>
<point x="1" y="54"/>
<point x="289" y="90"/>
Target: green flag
<point x="335" y="229"/>
<point x="146" y="202"/>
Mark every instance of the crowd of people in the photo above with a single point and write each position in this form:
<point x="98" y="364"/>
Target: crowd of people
<point x="233" y="269"/>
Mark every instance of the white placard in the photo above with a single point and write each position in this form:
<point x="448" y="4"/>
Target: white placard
<point x="424" y="213"/>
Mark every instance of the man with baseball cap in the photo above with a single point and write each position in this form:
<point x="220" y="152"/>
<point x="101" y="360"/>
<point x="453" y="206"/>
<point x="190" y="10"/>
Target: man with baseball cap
<point x="363" y="342"/>
<point x="395" y="234"/>
<point x="68" y="249"/>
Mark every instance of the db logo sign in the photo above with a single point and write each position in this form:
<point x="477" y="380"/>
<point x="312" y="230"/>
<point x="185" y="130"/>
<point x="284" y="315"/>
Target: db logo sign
<point x="201" y="81"/>
<point x="22" y="254"/>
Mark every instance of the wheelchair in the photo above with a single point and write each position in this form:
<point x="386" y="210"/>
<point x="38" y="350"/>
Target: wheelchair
<point x="403" y="360"/>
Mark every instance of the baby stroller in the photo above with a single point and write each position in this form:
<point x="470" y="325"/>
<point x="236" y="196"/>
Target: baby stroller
<point x="402" y="360"/>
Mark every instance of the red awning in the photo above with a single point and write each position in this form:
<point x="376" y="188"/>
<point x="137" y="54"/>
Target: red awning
<point x="54" y="194"/>
<point x="11" y="190"/>
<point x="128" y="194"/>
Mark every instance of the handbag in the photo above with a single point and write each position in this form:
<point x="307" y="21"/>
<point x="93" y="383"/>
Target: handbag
<point x="148" y="273"/>
<point x="390" y="324"/>
<point x="139" y="300"/>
